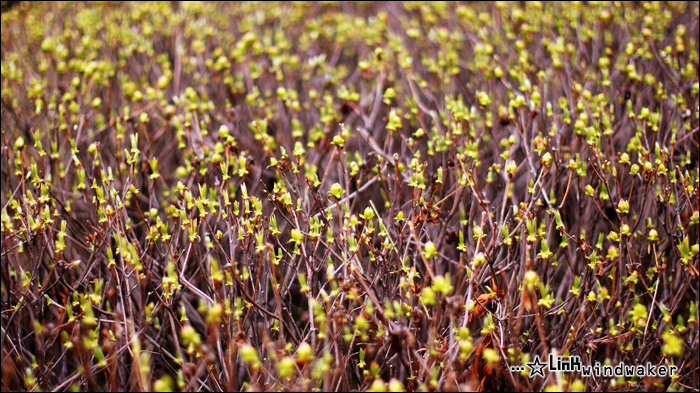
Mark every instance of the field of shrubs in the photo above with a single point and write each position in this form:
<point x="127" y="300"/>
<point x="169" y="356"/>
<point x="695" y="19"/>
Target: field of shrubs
<point x="343" y="196"/>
